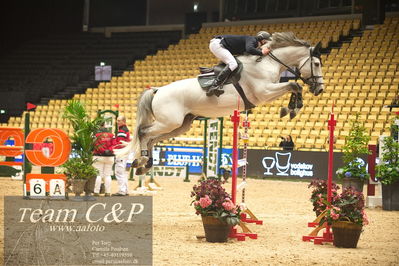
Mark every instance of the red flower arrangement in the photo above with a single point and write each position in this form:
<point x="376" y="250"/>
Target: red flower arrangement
<point x="211" y="199"/>
<point x="319" y="195"/>
<point x="348" y="206"/>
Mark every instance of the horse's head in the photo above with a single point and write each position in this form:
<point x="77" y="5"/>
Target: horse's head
<point x="310" y="70"/>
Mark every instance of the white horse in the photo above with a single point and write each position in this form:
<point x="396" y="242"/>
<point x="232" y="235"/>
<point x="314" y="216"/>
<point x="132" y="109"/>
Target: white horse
<point x="168" y="111"/>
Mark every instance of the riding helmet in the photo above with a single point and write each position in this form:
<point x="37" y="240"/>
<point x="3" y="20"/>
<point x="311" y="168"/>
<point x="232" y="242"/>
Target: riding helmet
<point x="263" y="35"/>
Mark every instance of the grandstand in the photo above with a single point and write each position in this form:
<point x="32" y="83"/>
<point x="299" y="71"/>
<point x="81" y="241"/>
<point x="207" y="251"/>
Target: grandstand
<point x="360" y="72"/>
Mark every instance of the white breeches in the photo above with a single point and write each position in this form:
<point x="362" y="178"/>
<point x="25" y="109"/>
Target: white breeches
<point x="121" y="175"/>
<point x="104" y="165"/>
<point x="223" y="54"/>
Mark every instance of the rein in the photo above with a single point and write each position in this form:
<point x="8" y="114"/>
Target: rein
<point x="311" y="81"/>
<point x="297" y="74"/>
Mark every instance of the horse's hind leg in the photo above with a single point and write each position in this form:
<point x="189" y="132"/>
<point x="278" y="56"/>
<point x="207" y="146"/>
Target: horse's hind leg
<point x="188" y="119"/>
<point x="147" y="133"/>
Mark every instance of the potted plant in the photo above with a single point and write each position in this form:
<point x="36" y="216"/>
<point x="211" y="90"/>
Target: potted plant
<point x="319" y="195"/>
<point x="78" y="174"/>
<point x="354" y="171"/>
<point x="218" y="212"/>
<point x="346" y="216"/>
<point x="79" y="169"/>
<point x="388" y="172"/>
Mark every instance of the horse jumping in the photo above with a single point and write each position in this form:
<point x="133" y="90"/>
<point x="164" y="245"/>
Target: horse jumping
<point x="168" y="111"/>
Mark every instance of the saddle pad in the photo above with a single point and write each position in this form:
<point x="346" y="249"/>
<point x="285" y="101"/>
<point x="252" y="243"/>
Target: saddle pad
<point x="209" y="74"/>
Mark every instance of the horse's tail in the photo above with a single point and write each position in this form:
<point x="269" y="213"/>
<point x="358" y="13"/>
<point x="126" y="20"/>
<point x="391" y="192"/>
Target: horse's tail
<point x="144" y="117"/>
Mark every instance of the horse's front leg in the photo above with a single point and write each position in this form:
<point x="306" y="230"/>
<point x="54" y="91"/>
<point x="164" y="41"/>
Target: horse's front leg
<point x="297" y="90"/>
<point x="295" y="103"/>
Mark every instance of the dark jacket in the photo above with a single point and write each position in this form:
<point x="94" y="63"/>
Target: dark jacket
<point x="289" y="145"/>
<point x="239" y="44"/>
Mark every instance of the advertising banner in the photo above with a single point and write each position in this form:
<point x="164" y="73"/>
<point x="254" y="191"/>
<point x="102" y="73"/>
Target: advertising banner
<point x="261" y="163"/>
<point x="290" y="164"/>
<point x="176" y="156"/>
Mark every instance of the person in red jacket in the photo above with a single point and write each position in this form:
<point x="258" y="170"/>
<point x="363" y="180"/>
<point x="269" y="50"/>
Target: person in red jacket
<point x="120" y="163"/>
<point x="104" y="160"/>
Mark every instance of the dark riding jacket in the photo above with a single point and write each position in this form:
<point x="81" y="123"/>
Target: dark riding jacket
<point x="239" y="44"/>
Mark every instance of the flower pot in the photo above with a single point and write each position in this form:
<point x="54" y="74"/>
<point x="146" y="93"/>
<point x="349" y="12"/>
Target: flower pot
<point x="89" y="186"/>
<point x="346" y="234"/>
<point x="215" y="230"/>
<point x="390" y="197"/>
<point x="78" y="186"/>
<point x="354" y="182"/>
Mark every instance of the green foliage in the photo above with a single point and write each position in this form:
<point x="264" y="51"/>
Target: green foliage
<point x="356" y="145"/>
<point x="76" y="168"/>
<point x="388" y="170"/>
<point x="356" y="169"/>
<point x="83" y="140"/>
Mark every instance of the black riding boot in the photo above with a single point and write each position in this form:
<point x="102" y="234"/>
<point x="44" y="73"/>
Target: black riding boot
<point x="216" y="87"/>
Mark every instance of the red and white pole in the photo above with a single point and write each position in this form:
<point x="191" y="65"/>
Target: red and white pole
<point x="327" y="235"/>
<point x="236" y="122"/>
<point x="331" y="126"/>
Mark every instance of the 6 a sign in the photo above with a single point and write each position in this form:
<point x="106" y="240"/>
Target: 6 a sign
<point x="39" y="184"/>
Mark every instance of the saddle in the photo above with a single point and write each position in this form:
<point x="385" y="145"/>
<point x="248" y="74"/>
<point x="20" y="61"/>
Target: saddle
<point x="208" y="74"/>
<point x="205" y="79"/>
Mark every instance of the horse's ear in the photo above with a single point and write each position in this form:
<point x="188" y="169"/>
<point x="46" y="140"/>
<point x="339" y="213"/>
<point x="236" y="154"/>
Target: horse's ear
<point x="316" y="50"/>
<point x="317" y="47"/>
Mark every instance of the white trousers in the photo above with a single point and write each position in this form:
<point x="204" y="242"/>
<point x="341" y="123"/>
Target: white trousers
<point x="223" y="54"/>
<point x="104" y="166"/>
<point x="121" y="175"/>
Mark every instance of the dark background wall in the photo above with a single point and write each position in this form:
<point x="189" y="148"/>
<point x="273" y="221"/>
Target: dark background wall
<point x="173" y="11"/>
<point x="22" y="20"/>
<point x="117" y="13"/>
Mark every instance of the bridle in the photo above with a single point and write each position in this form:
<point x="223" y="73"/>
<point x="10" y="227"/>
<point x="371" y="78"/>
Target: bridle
<point x="312" y="80"/>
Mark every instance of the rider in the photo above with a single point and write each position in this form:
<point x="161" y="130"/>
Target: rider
<point x="224" y="46"/>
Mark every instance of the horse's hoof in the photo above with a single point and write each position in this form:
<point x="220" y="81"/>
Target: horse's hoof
<point x="283" y="111"/>
<point x="149" y="163"/>
<point x="142" y="161"/>
<point x="210" y="92"/>
<point x="142" y="170"/>
<point x="219" y="92"/>
<point x="135" y="163"/>
<point x="292" y="114"/>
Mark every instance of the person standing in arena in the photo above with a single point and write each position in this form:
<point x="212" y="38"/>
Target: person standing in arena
<point x="225" y="46"/>
<point x="120" y="163"/>
<point x="104" y="160"/>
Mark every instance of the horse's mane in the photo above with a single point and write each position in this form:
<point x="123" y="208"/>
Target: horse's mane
<point x="284" y="39"/>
